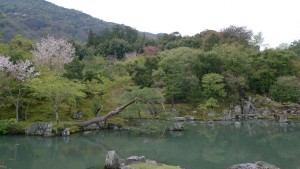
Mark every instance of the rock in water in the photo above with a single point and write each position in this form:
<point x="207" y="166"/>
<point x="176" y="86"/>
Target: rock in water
<point x="282" y="119"/>
<point x="256" y="165"/>
<point x="111" y="161"/>
<point x="40" y="129"/>
<point x="66" y="132"/>
<point x="237" y="124"/>
<point x="177" y="127"/>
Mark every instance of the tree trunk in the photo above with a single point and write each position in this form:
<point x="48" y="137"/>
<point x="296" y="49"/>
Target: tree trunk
<point x="26" y="111"/>
<point x="97" y="112"/>
<point x="241" y="99"/>
<point x="106" y="117"/>
<point x="17" y="112"/>
<point x="172" y="103"/>
<point x="56" y="115"/>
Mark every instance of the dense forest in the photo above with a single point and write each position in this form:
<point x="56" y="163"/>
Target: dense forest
<point x="38" y="18"/>
<point x="50" y="79"/>
<point x="54" y="78"/>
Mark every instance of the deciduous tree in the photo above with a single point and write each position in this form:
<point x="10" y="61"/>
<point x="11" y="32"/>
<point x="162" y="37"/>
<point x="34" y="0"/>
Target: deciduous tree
<point x="213" y="85"/>
<point x="14" y="78"/>
<point x="57" y="90"/>
<point x="51" y="54"/>
<point x="175" y="73"/>
<point x="286" y="89"/>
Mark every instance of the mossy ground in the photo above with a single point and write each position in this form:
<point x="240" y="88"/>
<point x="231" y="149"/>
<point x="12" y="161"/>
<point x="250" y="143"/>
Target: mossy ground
<point x="153" y="166"/>
<point x="42" y="111"/>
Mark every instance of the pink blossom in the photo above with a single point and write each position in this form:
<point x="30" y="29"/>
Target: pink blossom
<point x="53" y="53"/>
<point x="22" y="70"/>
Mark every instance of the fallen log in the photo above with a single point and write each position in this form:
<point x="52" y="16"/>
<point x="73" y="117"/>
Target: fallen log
<point x="107" y="116"/>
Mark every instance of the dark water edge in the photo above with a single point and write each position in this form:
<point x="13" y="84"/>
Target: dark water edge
<point x="200" y="146"/>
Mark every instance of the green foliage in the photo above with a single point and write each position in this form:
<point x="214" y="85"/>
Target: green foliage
<point x="295" y="47"/>
<point x="235" y="57"/>
<point x="145" y="95"/>
<point x="268" y="66"/>
<point x="56" y="89"/>
<point x="147" y="100"/>
<point x="286" y="89"/>
<point x="208" y="104"/>
<point x="73" y="70"/>
<point x="191" y="69"/>
<point x="208" y="62"/>
<point x="237" y="34"/>
<point x="175" y="73"/>
<point x="141" y="70"/>
<point x="211" y="41"/>
<point x="19" y="48"/>
<point x="5" y="125"/>
<point x="115" y="47"/>
<point x="213" y="85"/>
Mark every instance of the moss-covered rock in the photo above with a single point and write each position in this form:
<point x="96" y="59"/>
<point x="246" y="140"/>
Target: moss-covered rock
<point x="153" y="166"/>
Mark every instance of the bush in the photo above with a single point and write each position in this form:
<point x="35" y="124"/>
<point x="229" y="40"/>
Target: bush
<point x="286" y="89"/>
<point x="5" y="125"/>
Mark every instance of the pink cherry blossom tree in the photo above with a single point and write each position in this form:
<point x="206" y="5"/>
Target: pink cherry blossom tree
<point x="14" y="78"/>
<point x="51" y="54"/>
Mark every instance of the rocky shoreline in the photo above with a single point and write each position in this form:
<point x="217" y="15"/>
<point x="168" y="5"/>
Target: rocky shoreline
<point x="250" y="109"/>
<point x="112" y="161"/>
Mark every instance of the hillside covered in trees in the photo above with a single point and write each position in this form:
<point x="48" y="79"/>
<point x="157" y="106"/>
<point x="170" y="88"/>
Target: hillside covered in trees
<point x="207" y="70"/>
<point x="38" y="18"/>
<point x="50" y="79"/>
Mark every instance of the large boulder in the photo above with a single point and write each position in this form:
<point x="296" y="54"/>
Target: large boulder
<point x="237" y="109"/>
<point x="40" y="129"/>
<point x="111" y="161"/>
<point x="256" y="165"/>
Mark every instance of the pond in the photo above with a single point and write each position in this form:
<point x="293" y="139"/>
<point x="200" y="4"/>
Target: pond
<point x="200" y="146"/>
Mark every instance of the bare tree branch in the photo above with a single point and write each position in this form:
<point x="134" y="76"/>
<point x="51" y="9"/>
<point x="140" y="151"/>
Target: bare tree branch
<point x="107" y="116"/>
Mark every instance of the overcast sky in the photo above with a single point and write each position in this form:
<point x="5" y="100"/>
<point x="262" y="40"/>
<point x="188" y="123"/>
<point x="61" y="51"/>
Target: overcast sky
<point x="278" y="20"/>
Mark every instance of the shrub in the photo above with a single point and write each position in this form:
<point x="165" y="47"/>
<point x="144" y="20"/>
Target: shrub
<point x="5" y="125"/>
<point x="286" y="89"/>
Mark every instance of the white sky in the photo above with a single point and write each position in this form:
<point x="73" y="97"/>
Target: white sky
<point x="278" y="20"/>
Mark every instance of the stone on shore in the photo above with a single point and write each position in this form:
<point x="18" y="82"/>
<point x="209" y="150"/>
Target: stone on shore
<point x="111" y="161"/>
<point x="134" y="159"/>
<point x="256" y="165"/>
<point x="40" y="129"/>
<point x="66" y="132"/>
<point x="177" y="127"/>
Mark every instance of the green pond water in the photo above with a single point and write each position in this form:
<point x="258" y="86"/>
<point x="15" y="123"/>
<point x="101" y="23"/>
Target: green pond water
<point x="200" y="146"/>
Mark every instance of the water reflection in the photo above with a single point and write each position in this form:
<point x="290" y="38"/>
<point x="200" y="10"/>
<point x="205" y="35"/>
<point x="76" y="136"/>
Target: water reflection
<point x="200" y="146"/>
